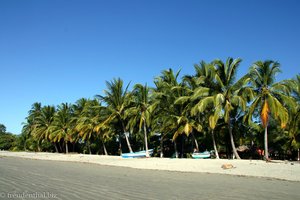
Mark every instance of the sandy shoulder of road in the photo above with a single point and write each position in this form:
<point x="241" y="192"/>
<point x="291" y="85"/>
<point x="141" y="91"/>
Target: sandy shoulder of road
<point x="257" y="168"/>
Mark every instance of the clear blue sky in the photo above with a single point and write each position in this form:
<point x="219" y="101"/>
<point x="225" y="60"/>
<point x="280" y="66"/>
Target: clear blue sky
<point x="54" y="51"/>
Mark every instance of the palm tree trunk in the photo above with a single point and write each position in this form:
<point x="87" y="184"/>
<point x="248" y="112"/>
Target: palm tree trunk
<point x="214" y="143"/>
<point x="73" y="146"/>
<point x="182" y="146"/>
<point x="146" y="140"/>
<point x="56" y="149"/>
<point x="266" y="143"/>
<point x="60" y="147"/>
<point x="128" y="143"/>
<point x="89" y="146"/>
<point x="38" y="146"/>
<point x="127" y="140"/>
<point x="161" y="147"/>
<point x="120" y="144"/>
<point x="175" y="147"/>
<point x="25" y="144"/>
<point x="196" y="143"/>
<point x="104" y="148"/>
<point x="67" y="149"/>
<point x="232" y="141"/>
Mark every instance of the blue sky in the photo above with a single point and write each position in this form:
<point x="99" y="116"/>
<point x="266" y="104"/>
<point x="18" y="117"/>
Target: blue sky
<point x="55" y="51"/>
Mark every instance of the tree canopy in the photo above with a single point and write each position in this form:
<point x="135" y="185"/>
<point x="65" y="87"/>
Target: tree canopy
<point x="212" y="109"/>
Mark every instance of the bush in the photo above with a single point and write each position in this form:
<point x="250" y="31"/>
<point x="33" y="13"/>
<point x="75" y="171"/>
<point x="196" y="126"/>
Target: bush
<point x="7" y="141"/>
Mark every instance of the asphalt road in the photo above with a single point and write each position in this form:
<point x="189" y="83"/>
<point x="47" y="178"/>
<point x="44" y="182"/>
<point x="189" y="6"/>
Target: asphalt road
<point x="37" y="179"/>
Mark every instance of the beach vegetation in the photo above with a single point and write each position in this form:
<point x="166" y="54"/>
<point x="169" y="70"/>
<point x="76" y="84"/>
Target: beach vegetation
<point x="252" y="115"/>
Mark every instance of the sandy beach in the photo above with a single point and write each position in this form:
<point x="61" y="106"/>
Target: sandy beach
<point x="283" y="170"/>
<point x="49" y="179"/>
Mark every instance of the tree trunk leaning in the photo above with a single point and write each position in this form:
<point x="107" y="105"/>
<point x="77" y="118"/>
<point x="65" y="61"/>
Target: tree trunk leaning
<point x="128" y="143"/>
<point x="146" y="140"/>
<point x="196" y="143"/>
<point x="232" y="142"/>
<point x="214" y="143"/>
<point x="56" y="149"/>
<point x="127" y="140"/>
<point x="104" y="148"/>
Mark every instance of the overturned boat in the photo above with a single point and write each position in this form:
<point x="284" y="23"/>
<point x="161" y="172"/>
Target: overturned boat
<point x="139" y="154"/>
<point x="205" y="154"/>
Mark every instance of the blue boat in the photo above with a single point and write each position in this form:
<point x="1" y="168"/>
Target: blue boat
<point x="205" y="154"/>
<point x="139" y="154"/>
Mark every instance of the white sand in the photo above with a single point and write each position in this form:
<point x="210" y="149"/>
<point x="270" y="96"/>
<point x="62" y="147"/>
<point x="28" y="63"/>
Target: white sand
<point x="257" y="168"/>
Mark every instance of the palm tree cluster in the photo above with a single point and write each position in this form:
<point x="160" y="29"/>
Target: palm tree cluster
<point x="209" y="110"/>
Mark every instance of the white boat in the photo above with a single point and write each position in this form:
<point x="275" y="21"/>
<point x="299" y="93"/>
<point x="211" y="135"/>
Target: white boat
<point x="205" y="154"/>
<point x="139" y="154"/>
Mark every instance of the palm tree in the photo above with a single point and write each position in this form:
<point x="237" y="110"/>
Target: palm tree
<point x="89" y="122"/>
<point x="225" y="97"/>
<point x="185" y="123"/>
<point x="140" y="112"/>
<point x="172" y="112"/>
<point x="62" y="127"/>
<point x="201" y="83"/>
<point x="30" y="126"/>
<point x="79" y="106"/>
<point x="104" y="133"/>
<point x="26" y="132"/>
<point x="117" y="100"/>
<point x="271" y="97"/>
<point x="81" y="128"/>
<point x="43" y="123"/>
<point x="294" y="118"/>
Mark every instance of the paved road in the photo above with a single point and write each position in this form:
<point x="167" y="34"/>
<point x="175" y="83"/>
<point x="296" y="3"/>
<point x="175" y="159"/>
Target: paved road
<point x="70" y="180"/>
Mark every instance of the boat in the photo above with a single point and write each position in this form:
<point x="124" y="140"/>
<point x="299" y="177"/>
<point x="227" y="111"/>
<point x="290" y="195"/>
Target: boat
<point x="205" y="154"/>
<point x="138" y="154"/>
<point x="144" y="151"/>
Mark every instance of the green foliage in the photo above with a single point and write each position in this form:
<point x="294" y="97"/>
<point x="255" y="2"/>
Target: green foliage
<point x="210" y="106"/>
<point x="2" y="128"/>
<point x="7" y="140"/>
<point x="271" y="98"/>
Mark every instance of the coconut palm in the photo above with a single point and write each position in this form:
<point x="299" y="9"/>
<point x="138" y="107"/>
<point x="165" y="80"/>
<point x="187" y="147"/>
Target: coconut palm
<point x="140" y="112"/>
<point x="271" y="97"/>
<point x="78" y="120"/>
<point x="201" y="83"/>
<point x="89" y="122"/>
<point x="26" y="132"/>
<point x="30" y="125"/>
<point x="225" y="97"/>
<point x="185" y="122"/>
<point x="292" y="133"/>
<point x="172" y="113"/>
<point x="62" y="126"/>
<point x="164" y="98"/>
<point x="79" y="106"/>
<point x="43" y="123"/>
<point x="104" y="133"/>
<point x="294" y="119"/>
<point x="116" y="99"/>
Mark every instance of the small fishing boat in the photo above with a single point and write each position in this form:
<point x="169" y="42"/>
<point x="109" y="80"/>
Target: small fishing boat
<point x="138" y="154"/>
<point x="205" y="154"/>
